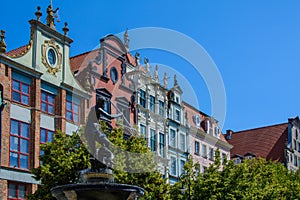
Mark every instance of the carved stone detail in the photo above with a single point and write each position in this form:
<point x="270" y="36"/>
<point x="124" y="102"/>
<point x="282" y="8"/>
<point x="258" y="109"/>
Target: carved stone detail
<point x="50" y="44"/>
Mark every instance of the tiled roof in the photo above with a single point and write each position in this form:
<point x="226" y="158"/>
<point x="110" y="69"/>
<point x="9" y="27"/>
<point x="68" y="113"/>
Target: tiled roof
<point x="82" y="59"/>
<point x="17" y="51"/>
<point x="266" y="142"/>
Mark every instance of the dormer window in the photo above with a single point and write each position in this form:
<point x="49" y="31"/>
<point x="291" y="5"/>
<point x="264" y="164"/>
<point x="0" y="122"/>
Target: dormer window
<point x="237" y="161"/>
<point x="177" y="98"/>
<point x="217" y="132"/>
<point x="249" y="156"/>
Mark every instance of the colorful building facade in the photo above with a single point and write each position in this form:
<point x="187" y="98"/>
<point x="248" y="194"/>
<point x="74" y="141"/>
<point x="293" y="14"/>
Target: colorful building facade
<point x="39" y="95"/>
<point x="43" y="90"/>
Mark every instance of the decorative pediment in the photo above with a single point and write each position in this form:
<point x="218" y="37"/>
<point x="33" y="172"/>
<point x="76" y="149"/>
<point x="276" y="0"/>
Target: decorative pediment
<point x="113" y="43"/>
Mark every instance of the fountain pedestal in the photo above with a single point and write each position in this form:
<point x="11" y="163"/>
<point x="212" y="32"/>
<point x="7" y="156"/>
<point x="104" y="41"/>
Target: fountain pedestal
<point x="97" y="184"/>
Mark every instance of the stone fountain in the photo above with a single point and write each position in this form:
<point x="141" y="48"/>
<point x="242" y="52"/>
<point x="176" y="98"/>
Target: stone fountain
<point x="98" y="181"/>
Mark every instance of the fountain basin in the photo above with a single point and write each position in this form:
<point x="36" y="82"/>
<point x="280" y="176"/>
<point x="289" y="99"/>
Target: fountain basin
<point x="97" y="191"/>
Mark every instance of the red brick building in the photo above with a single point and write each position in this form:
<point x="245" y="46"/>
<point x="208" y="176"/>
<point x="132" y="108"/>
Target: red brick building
<point x="39" y="95"/>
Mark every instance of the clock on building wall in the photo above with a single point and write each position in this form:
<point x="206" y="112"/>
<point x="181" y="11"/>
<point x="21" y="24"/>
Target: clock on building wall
<point x="51" y="56"/>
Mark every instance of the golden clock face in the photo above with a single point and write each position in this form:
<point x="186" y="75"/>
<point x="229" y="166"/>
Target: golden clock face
<point x="51" y="56"/>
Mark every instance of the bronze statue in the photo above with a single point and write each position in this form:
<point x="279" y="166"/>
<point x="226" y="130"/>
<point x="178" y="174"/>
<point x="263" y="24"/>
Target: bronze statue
<point x="50" y="16"/>
<point x="93" y="134"/>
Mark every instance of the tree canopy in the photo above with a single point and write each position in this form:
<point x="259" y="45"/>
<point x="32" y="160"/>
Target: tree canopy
<point x="253" y="179"/>
<point x="66" y="156"/>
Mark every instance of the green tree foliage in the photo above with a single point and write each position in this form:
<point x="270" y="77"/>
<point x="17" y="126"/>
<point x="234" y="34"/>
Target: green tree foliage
<point x="66" y="156"/>
<point x="184" y="189"/>
<point x="142" y="161"/>
<point x="62" y="160"/>
<point x="253" y="179"/>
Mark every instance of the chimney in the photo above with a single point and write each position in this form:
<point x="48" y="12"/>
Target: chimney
<point x="228" y="134"/>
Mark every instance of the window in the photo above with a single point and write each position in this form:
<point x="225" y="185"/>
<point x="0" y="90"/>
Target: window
<point x="182" y="163"/>
<point x="17" y="191"/>
<point x="204" y="153"/>
<point x="162" y="144"/>
<point x="45" y="136"/>
<point x="51" y="57"/>
<point x="20" y="92"/>
<point x="296" y="134"/>
<point x="224" y="157"/>
<point x="143" y="98"/>
<point x="161" y="108"/>
<point x="177" y="115"/>
<point x="237" y="161"/>
<point x="152" y="140"/>
<point x="197" y="145"/>
<point x="47" y="102"/>
<point x="217" y="131"/>
<point x="177" y="99"/>
<point x="182" y="142"/>
<point x="210" y="127"/>
<point x="298" y="146"/>
<point x="114" y="75"/>
<point x="295" y="144"/>
<point x="173" y="166"/>
<point x="211" y="153"/>
<point x="103" y="101"/>
<point x="19" y="145"/>
<point x="143" y="130"/>
<point x="72" y="111"/>
<point x="172" y="138"/>
<point x="152" y="103"/>
<point x="295" y="160"/>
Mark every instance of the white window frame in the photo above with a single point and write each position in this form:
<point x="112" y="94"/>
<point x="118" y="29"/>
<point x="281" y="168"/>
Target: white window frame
<point x="182" y="148"/>
<point x="170" y="138"/>
<point x="173" y="160"/>
<point x="176" y="96"/>
<point x="181" y="168"/>
<point x="179" y="116"/>
<point x="204" y="154"/>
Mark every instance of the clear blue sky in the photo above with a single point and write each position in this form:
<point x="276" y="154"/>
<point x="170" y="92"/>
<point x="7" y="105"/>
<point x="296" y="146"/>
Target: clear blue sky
<point x="255" y="45"/>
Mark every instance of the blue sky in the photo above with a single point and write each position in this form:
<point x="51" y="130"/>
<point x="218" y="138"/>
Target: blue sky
<point x="255" y="45"/>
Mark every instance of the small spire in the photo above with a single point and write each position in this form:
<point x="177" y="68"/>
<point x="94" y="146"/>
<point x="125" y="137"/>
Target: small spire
<point x="38" y="13"/>
<point x="175" y="80"/>
<point x="156" y="78"/>
<point x="2" y="42"/>
<point x="165" y="80"/>
<point x="137" y="59"/>
<point x="126" y="40"/>
<point x="147" y="66"/>
<point x="66" y="29"/>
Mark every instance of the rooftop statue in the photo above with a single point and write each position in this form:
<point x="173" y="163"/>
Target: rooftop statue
<point x="50" y="16"/>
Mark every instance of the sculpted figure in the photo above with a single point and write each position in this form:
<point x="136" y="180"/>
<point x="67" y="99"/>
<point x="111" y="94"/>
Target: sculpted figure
<point x="93" y="134"/>
<point x="50" y="16"/>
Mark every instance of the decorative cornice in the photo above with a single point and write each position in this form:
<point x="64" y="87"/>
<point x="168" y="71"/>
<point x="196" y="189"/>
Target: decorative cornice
<point x="47" y="29"/>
